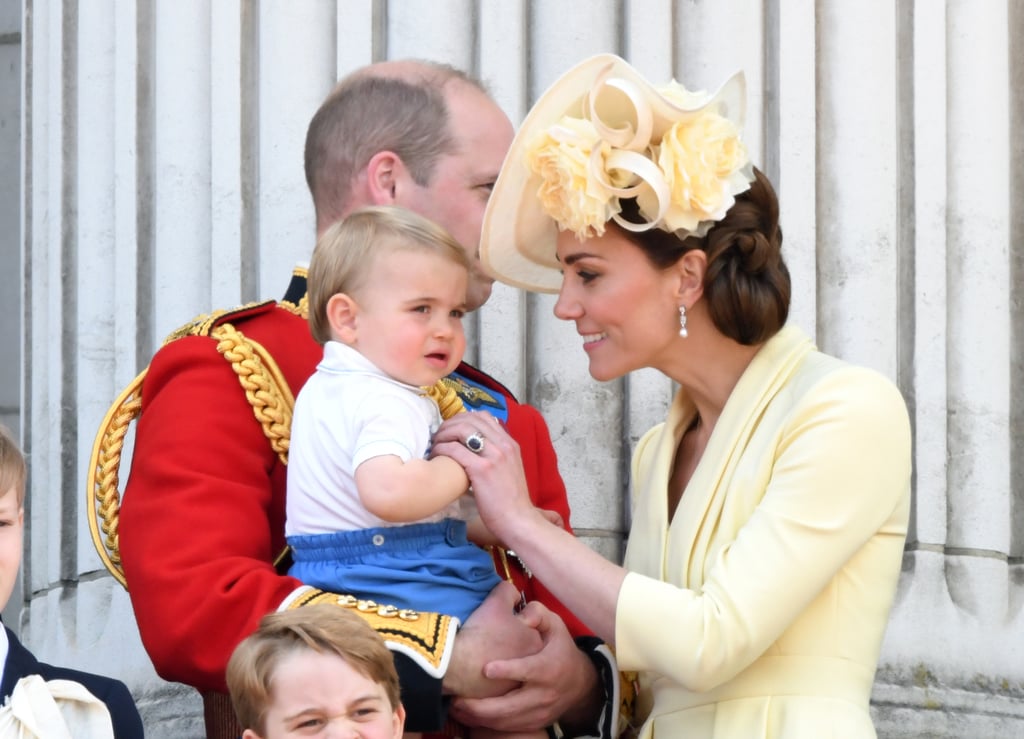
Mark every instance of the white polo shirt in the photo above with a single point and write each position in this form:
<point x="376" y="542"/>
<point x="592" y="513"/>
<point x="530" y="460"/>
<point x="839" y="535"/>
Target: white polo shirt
<point x="348" y="412"/>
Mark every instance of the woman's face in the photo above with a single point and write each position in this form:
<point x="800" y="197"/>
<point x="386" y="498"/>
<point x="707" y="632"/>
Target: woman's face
<point x="626" y="310"/>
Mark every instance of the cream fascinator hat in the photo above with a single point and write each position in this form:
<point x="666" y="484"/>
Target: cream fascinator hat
<point x="601" y="133"/>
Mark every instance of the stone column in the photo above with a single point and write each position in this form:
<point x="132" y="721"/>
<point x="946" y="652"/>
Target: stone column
<point x="162" y="178"/>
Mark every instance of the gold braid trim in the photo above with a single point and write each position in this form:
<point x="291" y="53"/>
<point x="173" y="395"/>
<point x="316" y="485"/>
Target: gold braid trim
<point x="202" y="324"/>
<point x="265" y="388"/>
<point x="300" y="309"/>
<point x="446" y="398"/>
<point x="629" y="689"/>
<point x="199" y="326"/>
<point x="263" y="382"/>
<point x="472" y="393"/>
<point x="426" y="637"/>
<point x="102" y="495"/>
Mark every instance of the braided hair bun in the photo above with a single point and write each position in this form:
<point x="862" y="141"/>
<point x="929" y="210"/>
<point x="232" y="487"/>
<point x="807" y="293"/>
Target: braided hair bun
<point x="747" y="284"/>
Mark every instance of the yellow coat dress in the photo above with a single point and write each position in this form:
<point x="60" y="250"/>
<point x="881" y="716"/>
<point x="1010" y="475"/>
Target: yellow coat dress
<point x="759" y="609"/>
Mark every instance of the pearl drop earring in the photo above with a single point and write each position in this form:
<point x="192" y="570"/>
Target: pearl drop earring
<point x="683" y="333"/>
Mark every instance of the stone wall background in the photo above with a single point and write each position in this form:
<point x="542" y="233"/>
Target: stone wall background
<point x="150" y="170"/>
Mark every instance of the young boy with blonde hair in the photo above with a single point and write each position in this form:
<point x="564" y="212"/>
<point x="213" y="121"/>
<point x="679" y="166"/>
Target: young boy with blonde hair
<point x="40" y="700"/>
<point x="367" y="511"/>
<point x="315" y="671"/>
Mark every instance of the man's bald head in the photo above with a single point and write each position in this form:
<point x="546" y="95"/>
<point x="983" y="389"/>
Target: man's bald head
<point x="414" y="71"/>
<point x="398" y="106"/>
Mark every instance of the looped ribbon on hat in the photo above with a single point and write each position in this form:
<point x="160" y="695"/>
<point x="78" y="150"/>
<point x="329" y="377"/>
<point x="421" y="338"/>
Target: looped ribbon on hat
<point x="625" y="156"/>
<point x="602" y="148"/>
<point x="683" y="159"/>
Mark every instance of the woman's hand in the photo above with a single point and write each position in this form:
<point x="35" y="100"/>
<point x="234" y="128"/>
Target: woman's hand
<point x="585" y="582"/>
<point x="495" y="471"/>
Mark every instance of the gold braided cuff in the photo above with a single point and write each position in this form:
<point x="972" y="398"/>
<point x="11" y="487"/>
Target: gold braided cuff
<point x="426" y="638"/>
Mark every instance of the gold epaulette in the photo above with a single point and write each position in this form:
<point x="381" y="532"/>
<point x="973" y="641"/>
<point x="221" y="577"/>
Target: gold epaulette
<point x="204" y="323"/>
<point x="425" y="637"/>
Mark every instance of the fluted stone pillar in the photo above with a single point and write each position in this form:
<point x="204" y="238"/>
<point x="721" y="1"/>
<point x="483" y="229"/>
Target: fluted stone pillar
<point x="955" y="648"/>
<point x="163" y="177"/>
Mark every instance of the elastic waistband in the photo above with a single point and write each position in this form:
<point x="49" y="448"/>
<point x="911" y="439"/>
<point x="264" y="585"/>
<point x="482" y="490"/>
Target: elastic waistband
<point x="345" y="545"/>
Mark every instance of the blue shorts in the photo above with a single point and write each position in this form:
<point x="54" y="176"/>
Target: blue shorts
<point x="422" y="566"/>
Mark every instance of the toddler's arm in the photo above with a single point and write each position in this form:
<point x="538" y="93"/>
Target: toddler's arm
<point x="400" y="491"/>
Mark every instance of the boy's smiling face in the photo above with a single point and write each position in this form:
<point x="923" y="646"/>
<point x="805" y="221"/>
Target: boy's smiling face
<point x="315" y="694"/>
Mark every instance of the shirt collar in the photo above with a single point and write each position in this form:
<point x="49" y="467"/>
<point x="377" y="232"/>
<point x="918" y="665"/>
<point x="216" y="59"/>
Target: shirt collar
<point x="341" y="359"/>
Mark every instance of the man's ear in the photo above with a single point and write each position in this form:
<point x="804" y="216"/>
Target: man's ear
<point x="690" y="270"/>
<point x="342" y="312"/>
<point x="383" y="173"/>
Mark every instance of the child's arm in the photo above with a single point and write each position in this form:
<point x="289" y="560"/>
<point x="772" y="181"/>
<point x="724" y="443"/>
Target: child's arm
<point x="401" y="492"/>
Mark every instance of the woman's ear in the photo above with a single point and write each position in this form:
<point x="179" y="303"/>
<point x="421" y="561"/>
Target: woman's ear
<point x="342" y="312"/>
<point x="690" y="270"/>
<point x="383" y="172"/>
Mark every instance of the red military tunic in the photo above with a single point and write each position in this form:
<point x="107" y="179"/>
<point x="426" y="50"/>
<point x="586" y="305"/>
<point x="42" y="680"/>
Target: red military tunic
<point x="202" y="519"/>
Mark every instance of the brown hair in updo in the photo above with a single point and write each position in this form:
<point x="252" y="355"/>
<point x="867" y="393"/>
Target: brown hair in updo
<point x="746" y="285"/>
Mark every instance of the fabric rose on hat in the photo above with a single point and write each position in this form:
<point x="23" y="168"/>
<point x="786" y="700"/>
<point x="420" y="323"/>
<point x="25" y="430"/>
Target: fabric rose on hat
<point x="568" y="192"/>
<point x="683" y="98"/>
<point x="702" y="159"/>
<point x="677" y="152"/>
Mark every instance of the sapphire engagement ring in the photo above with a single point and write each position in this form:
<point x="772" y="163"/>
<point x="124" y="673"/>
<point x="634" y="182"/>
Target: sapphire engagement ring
<point x="475" y="442"/>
